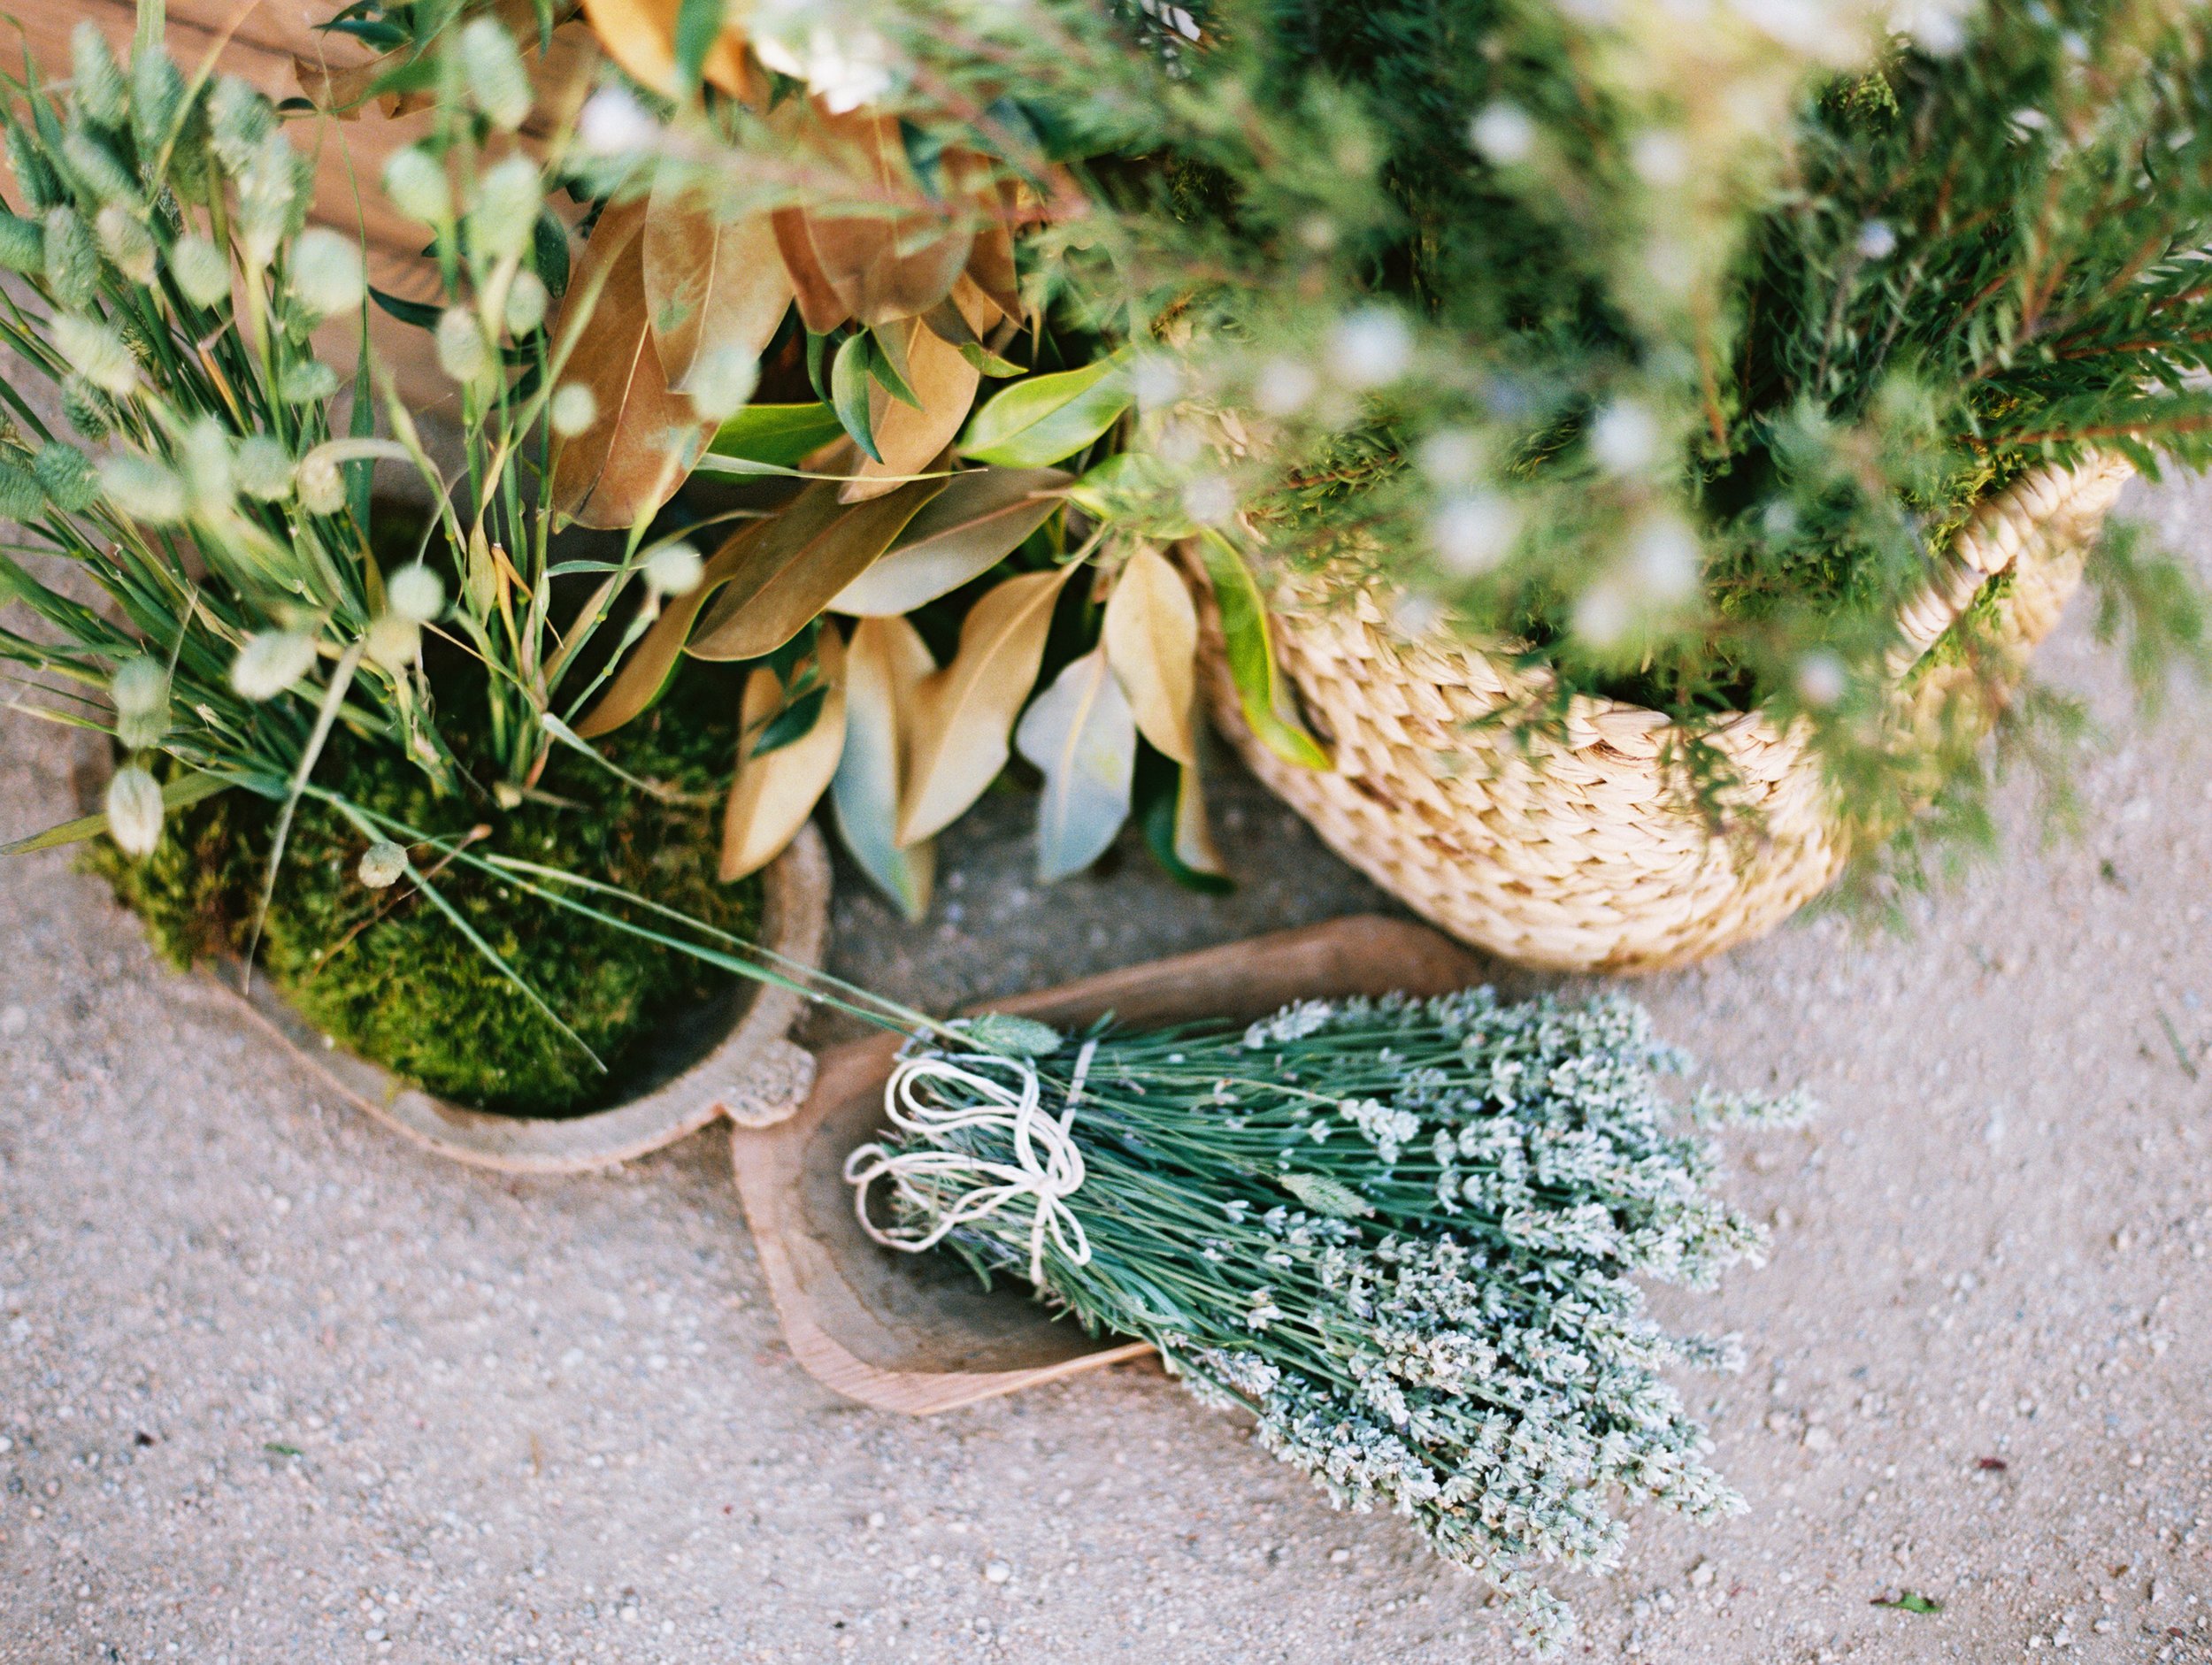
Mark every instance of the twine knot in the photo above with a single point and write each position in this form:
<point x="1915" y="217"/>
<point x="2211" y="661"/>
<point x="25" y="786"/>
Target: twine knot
<point x="1047" y="1167"/>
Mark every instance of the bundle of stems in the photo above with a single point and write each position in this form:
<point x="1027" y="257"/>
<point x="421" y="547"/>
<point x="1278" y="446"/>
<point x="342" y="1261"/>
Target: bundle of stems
<point x="1401" y="1234"/>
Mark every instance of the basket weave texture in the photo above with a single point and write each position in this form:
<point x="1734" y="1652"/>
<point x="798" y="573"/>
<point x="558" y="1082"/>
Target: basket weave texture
<point x="1586" y="855"/>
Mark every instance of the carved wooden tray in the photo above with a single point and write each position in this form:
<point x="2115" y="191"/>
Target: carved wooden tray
<point x="916" y="1332"/>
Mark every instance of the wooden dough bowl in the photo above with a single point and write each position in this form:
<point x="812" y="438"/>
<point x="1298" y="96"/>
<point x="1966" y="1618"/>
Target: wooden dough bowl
<point x="916" y="1332"/>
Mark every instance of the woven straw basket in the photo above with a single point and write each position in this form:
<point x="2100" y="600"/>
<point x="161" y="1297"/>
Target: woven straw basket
<point x="1584" y="856"/>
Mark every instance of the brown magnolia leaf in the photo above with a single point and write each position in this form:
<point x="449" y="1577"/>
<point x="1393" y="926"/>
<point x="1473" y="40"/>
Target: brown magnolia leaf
<point x="709" y="283"/>
<point x="820" y="308"/>
<point x="1150" y="636"/>
<point x="885" y="663"/>
<point x="884" y="262"/>
<point x="773" y="794"/>
<point x="646" y="438"/>
<point x="944" y="381"/>
<point x="965" y="713"/>
<point x="978" y="519"/>
<point x="797" y="562"/>
<point x="1194" y="845"/>
<point x="991" y="261"/>
<point x="641" y="37"/>
<point x="653" y="659"/>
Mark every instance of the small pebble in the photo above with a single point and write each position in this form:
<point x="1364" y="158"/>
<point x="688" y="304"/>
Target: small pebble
<point x="997" y="1572"/>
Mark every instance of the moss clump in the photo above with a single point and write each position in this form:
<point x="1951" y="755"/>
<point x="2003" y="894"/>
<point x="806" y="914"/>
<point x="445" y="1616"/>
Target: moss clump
<point x="391" y="978"/>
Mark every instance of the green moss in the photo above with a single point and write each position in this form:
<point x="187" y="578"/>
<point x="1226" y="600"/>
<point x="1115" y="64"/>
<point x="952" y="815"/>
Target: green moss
<point x="391" y="978"/>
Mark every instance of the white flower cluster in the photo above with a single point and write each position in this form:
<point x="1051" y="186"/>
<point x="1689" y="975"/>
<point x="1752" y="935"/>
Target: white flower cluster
<point x="1439" y="1314"/>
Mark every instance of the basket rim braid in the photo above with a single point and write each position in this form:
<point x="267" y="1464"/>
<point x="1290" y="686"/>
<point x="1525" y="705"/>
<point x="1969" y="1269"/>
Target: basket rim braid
<point x="1582" y="853"/>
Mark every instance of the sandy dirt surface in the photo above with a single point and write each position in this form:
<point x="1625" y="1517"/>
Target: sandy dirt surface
<point x="274" y="1388"/>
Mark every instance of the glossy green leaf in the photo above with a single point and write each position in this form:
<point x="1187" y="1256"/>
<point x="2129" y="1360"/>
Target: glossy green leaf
<point x="884" y="662"/>
<point x="1046" y="418"/>
<point x="778" y="435"/>
<point x="794" y="723"/>
<point x="849" y="392"/>
<point x="1134" y="490"/>
<point x="1265" y="702"/>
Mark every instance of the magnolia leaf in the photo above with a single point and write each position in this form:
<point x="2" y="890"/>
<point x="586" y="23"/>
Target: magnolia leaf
<point x="709" y="284"/>
<point x="776" y="791"/>
<point x="977" y="521"/>
<point x="991" y="261"/>
<point x="776" y="436"/>
<point x="820" y="308"/>
<point x="794" y="723"/>
<point x="645" y="673"/>
<point x="645" y="437"/>
<point x="950" y="322"/>
<point x="1081" y="734"/>
<point x="641" y="37"/>
<point x="908" y="438"/>
<point x="1048" y="418"/>
<point x="1131" y="488"/>
<point x="798" y="562"/>
<point x="964" y="712"/>
<point x="1251" y="655"/>
<point x="1150" y="635"/>
<point x="883" y="264"/>
<point x="884" y="664"/>
<point x="849" y="394"/>
<point x="886" y="363"/>
<point x="1171" y="814"/>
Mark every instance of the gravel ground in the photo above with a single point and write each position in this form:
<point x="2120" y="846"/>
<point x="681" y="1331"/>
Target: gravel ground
<point x="274" y="1388"/>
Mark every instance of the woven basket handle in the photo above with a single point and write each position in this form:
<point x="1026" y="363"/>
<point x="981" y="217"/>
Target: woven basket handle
<point x="2051" y="513"/>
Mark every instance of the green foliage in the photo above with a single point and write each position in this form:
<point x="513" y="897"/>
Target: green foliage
<point x="388" y="975"/>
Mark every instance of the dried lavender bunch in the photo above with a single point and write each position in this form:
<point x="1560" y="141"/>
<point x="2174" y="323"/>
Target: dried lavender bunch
<point x="1403" y="1234"/>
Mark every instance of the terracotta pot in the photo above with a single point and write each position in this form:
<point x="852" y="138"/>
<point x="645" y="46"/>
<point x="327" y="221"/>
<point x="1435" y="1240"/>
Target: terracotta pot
<point x="731" y="1060"/>
<point x="918" y="1332"/>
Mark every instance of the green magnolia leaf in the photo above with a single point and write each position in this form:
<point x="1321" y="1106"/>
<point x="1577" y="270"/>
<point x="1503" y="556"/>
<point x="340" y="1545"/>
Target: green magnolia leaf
<point x="988" y="362"/>
<point x="1046" y="418"/>
<point x="977" y="520"/>
<point x="1251" y="652"/>
<point x="1910" y="1601"/>
<point x="778" y="436"/>
<point x="794" y="723"/>
<point x="886" y="363"/>
<point x="849" y="392"/>
<point x="1171" y="814"/>
<point x="1081" y="733"/>
<point x="1133" y="490"/>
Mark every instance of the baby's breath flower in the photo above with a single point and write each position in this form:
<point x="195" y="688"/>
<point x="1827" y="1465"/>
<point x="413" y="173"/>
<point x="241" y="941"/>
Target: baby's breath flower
<point x="22" y="243"/>
<point x="128" y="244"/>
<point x="73" y="264"/>
<point x="320" y="482"/>
<point x="497" y="83"/>
<point x="415" y="183"/>
<point x="1371" y="348"/>
<point x="415" y="593"/>
<point x="722" y="380"/>
<point x="201" y="269"/>
<point x="66" y="474"/>
<point x="674" y="569"/>
<point x="139" y="693"/>
<point x="573" y="409"/>
<point x="143" y="487"/>
<point x="270" y="661"/>
<point x="508" y="198"/>
<point x="96" y="81"/>
<point x="326" y="271"/>
<point x="527" y="301"/>
<point x="462" y="352"/>
<point x="135" y="810"/>
<point x="262" y="468"/>
<point x="393" y="642"/>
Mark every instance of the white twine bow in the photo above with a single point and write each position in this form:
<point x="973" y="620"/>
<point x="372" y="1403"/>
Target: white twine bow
<point x="1048" y="1167"/>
